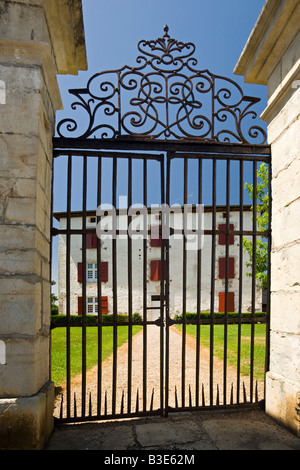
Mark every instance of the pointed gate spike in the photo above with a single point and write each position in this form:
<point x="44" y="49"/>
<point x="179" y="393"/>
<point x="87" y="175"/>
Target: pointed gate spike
<point x="152" y="399"/>
<point x="75" y="406"/>
<point x="244" y="392"/>
<point x="176" y="400"/>
<point x="122" y="403"/>
<point x="256" y="392"/>
<point x="203" y="396"/>
<point x="105" y="403"/>
<point x="190" y="396"/>
<point x="90" y="404"/>
<point x="231" y="394"/>
<point x="137" y="401"/>
<point x="218" y="396"/>
<point x="61" y="407"/>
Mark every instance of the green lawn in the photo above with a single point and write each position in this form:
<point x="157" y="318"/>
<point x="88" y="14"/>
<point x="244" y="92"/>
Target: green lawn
<point x="232" y="345"/>
<point x="59" y="348"/>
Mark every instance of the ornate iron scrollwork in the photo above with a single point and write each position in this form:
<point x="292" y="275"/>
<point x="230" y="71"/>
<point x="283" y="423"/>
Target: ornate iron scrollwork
<point x="163" y="97"/>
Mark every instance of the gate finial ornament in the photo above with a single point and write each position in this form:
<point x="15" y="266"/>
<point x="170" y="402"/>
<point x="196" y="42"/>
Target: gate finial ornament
<point x="166" y="30"/>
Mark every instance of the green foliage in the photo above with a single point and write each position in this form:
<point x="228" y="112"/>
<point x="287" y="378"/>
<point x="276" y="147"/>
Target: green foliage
<point x="262" y="221"/>
<point x="54" y="309"/>
<point x="76" y="320"/>
<point x="191" y="316"/>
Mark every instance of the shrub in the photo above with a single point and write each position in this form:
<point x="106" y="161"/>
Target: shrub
<point x="76" y="320"/>
<point x="54" y="309"/>
<point x="191" y="316"/>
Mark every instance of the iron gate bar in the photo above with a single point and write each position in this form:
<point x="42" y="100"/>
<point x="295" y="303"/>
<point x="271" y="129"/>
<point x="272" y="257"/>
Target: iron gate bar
<point x="129" y="274"/>
<point x="213" y="261"/>
<point x="68" y="240"/>
<point x="226" y="279"/>
<point x="135" y="144"/>
<point x="99" y="294"/>
<point x="164" y="292"/>
<point x="241" y="258"/>
<point x="254" y="179"/>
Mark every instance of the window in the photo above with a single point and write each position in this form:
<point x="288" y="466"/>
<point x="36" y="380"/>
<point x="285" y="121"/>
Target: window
<point x="92" y="305"/>
<point x="222" y="236"/>
<point x="92" y="272"/>
<point x="222" y="268"/>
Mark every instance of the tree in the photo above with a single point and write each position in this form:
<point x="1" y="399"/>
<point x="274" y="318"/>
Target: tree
<point x="262" y="221"/>
<point x="54" y="307"/>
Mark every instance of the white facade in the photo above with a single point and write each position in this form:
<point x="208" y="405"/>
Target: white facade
<point x="153" y="254"/>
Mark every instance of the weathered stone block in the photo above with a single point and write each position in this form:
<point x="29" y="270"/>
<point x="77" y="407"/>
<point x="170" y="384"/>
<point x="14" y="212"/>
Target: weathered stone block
<point x="282" y="401"/>
<point x="27" y="365"/>
<point x="23" y="22"/>
<point x="285" y="268"/>
<point x="21" y="314"/>
<point x="285" y="312"/>
<point x="285" y="354"/>
<point x="27" y="423"/>
<point x="283" y="233"/>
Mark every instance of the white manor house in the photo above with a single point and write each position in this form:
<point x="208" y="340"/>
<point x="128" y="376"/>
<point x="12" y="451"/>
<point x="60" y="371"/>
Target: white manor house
<point x="152" y="260"/>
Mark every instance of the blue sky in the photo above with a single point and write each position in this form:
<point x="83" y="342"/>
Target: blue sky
<point x="218" y="28"/>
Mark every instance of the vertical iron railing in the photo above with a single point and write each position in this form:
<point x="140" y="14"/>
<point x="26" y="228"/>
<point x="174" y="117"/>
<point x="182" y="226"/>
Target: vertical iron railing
<point x="221" y="388"/>
<point x="80" y="405"/>
<point x="201" y="394"/>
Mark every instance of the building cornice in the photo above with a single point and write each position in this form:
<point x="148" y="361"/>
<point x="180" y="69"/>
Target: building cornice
<point x="268" y="40"/>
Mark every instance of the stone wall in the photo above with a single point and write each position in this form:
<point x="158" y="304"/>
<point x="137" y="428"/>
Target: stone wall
<point x="271" y="57"/>
<point x="30" y="57"/>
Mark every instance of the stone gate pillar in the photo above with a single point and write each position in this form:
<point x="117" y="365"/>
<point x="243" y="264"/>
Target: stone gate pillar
<point x="272" y="57"/>
<point x="38" y="40"/>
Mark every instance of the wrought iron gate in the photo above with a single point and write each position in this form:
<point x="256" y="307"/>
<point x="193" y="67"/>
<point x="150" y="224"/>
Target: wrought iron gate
<point x="143" y="260"/>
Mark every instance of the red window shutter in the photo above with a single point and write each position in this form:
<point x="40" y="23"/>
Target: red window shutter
<point x="231" y="268"/>
<point x="79" y="305"/>
<point x="104" y="271"/>
<point x="91" y="240"/>
<point x="230" y="302"/>
<point x="155" y="239"/>
<point x="222" y="237"/>
<point x="222" y="268"/>
<point x="79" y="272"/>
<point x="155" y="270"/>
<point x="104" y="305"/>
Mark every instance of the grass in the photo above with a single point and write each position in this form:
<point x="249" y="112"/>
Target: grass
<point x="232" y="345"/>
<point x="59" y="348"/>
